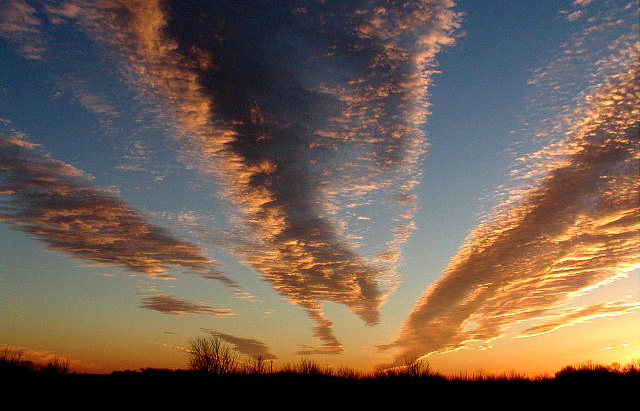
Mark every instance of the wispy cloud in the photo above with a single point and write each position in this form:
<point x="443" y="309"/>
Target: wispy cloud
<point x="621" y="346"/>
<point x="249" y="346"/>
<point x="94" y="102"/>
<point x="572" y="316"/>
<point x="574" y="229"/>
<point x="169" y="304"/>
<point x="53" y="201"/>
<point x="20" y="24"/>
<point x="138" y="157"/>
<point x="297" y="111"/>
<point x="592" y="53"/>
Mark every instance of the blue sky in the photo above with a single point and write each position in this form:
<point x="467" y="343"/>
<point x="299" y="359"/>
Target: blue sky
<point x="319" y="179"/>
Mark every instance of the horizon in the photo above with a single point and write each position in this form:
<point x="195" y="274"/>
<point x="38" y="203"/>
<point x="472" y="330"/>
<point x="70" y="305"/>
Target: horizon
<point x="205" y="360"/>
<point x="354" y="182"/>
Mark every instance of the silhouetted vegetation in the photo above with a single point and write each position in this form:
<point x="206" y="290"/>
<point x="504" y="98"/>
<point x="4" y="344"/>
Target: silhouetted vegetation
<point x="589" y="370"/>
<point x="211" y="354"/>
<point x="14" y="362"/>
<point x="214" y="367"/>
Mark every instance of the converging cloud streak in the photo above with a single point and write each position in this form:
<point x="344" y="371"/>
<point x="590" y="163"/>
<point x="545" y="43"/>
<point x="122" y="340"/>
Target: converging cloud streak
<point x="290" y="135"/>
<point x="300" y="90"/>
<point x="298" y="108"/>
<point x="574" y="230"/>
<point x="51" y="200"/>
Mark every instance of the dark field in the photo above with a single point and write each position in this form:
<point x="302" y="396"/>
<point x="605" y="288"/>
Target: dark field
<point x="573" y="387"/>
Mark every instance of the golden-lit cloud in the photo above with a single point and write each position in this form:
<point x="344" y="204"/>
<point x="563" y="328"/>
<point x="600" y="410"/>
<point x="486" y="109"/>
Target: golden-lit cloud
<point x="573" y="230"/>
<point x="169" y="304"/>
<point x="297" y="114"/>
<point x="53" y="201"/>
<point x="572" y="316"/>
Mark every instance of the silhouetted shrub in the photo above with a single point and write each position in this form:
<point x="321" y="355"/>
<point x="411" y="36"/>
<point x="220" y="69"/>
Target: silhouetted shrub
<point x="212" y="355"/>
<point x="306" y="366"/>
<point x="57" y="366"/>
<point x="591" y="371"/>
<point x="411" y="369"/>
<point x="12" y="361"/>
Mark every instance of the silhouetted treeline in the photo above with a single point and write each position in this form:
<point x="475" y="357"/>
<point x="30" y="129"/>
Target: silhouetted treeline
<point x="13" y="362"/>
<point x="306" y="383"/>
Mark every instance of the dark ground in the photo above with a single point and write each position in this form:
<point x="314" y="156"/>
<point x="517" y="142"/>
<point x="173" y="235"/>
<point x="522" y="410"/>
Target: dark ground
<point x="167" y="389"/>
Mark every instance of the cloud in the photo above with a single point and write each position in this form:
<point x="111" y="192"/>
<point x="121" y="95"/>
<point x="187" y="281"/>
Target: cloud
<point x="574" y="229"/>
<point x="620" y="346"/>
<point x="169" y="304"/>
<point x="575" y="15"/>
<point x="52" y="201"/>
<point x="138" y="157"/>
<point x="297" y="112"/>
<point x="572" y="316"/>
<point x="249" y="346"/>
<point x="94" y="102"/>
<point x="305" y="114"/>
<point x="592" y="53"/>
<point x="20" y="24"/>
<point x="581" y="2"/>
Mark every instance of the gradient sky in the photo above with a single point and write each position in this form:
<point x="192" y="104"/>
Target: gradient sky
<point x="359" y="182"/>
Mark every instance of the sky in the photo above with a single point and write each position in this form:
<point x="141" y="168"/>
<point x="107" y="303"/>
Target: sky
<point x="363" y="183"/>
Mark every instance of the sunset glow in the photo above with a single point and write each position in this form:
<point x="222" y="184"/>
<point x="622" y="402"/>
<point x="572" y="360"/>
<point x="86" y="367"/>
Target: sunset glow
<point x="357" y="182"/>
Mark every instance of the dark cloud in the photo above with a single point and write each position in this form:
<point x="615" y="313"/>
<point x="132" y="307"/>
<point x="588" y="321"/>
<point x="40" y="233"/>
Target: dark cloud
<point x="298" y="109"/>
<point x="249" y="346"/>
<point x="292" y="86"/>
<point x="52" y="200"/>
<point x="169" y="304"/>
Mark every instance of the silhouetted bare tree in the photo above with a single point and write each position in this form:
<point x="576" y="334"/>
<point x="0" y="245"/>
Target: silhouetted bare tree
<point x="257" y="365"/>
<point x="211" y="354"/>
